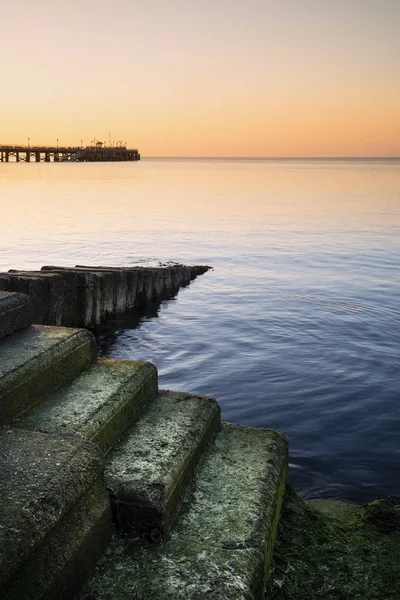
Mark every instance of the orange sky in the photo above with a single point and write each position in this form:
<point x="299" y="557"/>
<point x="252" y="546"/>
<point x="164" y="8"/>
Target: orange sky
<point x="211" y="78"/>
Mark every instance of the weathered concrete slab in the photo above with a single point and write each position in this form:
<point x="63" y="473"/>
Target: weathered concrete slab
<point x="81" y="296"/>
<point x="54" y="514"/>
<point x="100" y="404"/>
<point x="46" y="291"/>
<point x="15" y="312"/>
<point x="130" y="286"/>
<point x="38" y="360"/>
<point x="223" y="537"/>
<point x="147" y="472"/>
<point x="87" y="296"/>
<point x="146" y="282"/>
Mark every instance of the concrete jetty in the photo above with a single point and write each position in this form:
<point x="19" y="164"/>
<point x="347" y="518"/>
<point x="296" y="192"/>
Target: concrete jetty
<point x="87" y="296"/>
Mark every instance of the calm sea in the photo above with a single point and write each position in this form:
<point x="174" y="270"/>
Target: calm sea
<point x="297" y="327"/>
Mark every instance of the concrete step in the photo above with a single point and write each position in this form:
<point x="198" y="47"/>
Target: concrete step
<point x="15" y="312"/>
<point x="54" y="514"/>
<point x="223" y="538"/>
<point x="36" y="361"/>
<point x="148" y="471"/>
<point x="99" y="404"/>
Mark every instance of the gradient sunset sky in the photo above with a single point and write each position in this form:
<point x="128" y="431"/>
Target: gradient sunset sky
<point x="210" y="78"/>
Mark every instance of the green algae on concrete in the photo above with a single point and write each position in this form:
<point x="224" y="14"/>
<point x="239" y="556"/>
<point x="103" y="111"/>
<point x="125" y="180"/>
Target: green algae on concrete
<point x="62" y="564"/>
<point x="147" y="472"/>
<point x="99" y="405"/>
<point x="15" y="312"/>
<point x="221" y="543"/>
<point x="36" y="361"/>
<point x="350" y="553"/>
<point x="53" y="511"/>
<point x="340" y="510"/>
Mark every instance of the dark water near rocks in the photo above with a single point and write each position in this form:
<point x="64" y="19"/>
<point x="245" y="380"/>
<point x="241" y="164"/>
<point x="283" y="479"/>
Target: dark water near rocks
<point x="297" y="327"/>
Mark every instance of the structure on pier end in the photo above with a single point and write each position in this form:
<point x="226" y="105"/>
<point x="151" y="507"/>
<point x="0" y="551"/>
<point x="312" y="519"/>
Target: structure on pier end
<point x="96" y="153"/>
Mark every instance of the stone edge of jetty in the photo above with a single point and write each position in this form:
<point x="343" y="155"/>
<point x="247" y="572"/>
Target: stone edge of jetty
<point x="85" y="296"/>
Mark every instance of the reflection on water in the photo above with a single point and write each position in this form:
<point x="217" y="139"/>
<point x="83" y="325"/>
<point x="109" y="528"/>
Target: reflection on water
<point x="298" y="326"/>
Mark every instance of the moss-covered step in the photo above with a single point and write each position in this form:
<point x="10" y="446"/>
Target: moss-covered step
<point x="54" y="514"/>
<point x="335" y="550"/>
<point x="36" y="361"/>
<point x="147" y="472"/>
<point x="223" y="537"/>
<point x="15" y="312"/>
<point x="99" y="404"/>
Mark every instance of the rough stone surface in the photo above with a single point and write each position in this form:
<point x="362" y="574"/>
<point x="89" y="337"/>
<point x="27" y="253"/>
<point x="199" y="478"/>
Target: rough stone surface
<point x="102" y="291"/>
<point x="99" y="405"/>
<point x="36" y="361"/>
<point x="15" y="312"/>
<point x="341" y="553"/>
<point x="80" y="303"/>
<point x="148" y="471"/>
<point x="46" y="291"/>
<point x="52" y="503"/>
<point x="222" y="540"/>
<point x="87" y="296"/>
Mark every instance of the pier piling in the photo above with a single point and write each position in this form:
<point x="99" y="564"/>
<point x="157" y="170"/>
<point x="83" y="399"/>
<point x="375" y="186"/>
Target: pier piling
<point x="96" y="153"/>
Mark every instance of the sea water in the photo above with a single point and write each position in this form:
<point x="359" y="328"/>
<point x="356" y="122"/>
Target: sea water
<point x="296" y="328"/>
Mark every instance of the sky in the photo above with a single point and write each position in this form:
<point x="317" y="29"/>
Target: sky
<point x="213" y="78"/>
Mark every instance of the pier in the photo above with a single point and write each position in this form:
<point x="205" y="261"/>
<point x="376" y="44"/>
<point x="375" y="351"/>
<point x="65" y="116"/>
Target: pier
<point x="95" y="153"/>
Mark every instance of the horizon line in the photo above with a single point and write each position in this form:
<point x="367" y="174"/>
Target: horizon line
<point x="279" y="157"/>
